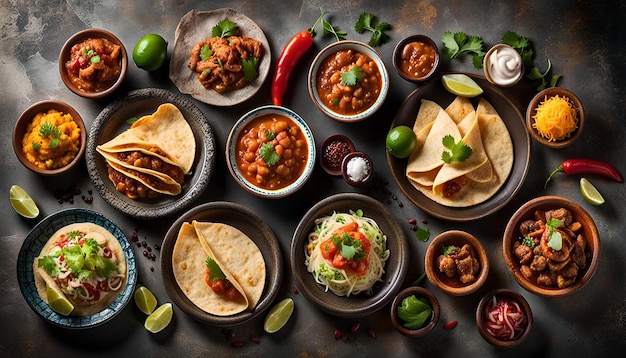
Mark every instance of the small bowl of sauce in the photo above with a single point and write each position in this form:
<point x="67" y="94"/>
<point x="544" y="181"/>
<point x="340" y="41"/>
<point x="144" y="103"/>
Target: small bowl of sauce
<point x="332" y="152"/>
<point x="503" y="65"/>
<point x="416" y="58"/>
<point x="357" y="168"/>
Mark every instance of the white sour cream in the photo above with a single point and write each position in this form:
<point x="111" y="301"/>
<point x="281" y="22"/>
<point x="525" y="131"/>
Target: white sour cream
<point x="504" y="65"/>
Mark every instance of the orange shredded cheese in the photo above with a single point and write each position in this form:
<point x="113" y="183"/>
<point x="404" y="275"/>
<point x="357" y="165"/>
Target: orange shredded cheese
<point x="555" y="118"/>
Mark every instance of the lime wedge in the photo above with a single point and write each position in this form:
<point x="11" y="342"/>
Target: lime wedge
<point x="22" y="203"/>
<point x="590" y="193"/>
<point x="58" y="302"/>
<point x="278" y="315"/>
<point x="461" y="85"/>
<point x="159" y="319"/>
<point x="145" y="300"/>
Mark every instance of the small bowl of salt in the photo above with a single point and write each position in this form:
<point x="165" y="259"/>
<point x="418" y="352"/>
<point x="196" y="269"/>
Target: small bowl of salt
<point x="357" y="168"/>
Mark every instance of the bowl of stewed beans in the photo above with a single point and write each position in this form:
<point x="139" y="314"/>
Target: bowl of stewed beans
<point x="348" y="81"/>
<point x="270" y="151"/>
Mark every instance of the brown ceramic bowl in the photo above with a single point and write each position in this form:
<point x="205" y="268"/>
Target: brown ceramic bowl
<point x="27" y="116"/>
<point x="418" y="292"/>
<point x="589" y="232"/>
<point x="482" y="319"/>
<point x="64" y="57"/>
<point x="452" y="285"/>
<point x="330" y="50"/>
<point x="332" y="151"/>
<point x="402" y="58"/>
<point x="532" y="110"/>
<point x="347" y="167"/>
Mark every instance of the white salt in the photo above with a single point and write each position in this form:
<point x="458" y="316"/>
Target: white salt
<point x="357" y="169"/>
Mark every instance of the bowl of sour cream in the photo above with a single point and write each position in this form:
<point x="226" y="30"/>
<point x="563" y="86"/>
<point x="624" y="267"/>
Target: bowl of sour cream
<point x="503" y="65"/>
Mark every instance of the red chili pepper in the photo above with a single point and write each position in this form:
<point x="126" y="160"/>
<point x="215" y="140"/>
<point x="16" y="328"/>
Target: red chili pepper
<point x="586" y="166"/>
<point x="289" y="57"/>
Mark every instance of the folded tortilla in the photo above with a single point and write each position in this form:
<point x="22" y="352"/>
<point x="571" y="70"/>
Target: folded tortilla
<point x="153" y="180"/>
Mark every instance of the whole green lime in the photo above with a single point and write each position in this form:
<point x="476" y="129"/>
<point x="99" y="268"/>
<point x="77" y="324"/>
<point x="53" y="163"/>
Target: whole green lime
<point x="401" y="141"/>
<point x="150" y="52"/>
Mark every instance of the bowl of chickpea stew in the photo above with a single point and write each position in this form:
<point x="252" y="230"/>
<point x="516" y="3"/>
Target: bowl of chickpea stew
<point x="551" y="246"/>
<point x="270" y="152"/>
<point x="348" y="81"/>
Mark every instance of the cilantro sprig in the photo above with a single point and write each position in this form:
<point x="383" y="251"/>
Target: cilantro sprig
<point x="369" y="22"/>
<point x="250" y="67"/>
<point x="525" y="48"/>
<point x="348" y="247"/>
<point x="225" y="28"/>
<point x="555" y="240"/>
<point x="352" y="76"/>
<point x="215" y="273"/>
<point x="459" y="151"/>
<point x="83" y="260"/>
<point x="50" y="130"/>
<point x="268" y="153"/>
<point x="457" y="44"/>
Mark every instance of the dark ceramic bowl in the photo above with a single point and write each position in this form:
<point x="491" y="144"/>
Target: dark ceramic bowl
<point x="532" y="110"/>
<point x="332" y="151"/>
<point x="395" y="267"/>
<point x="401" y="56"/>
<point x="27" y="116"/>
<point x="589" y="231"/>
<point x="418" y="292"/>
<point x="482" y="318"/>
<point x="348" y="169"/>
<point x="65" y="56"/>
<point x="454" y="286"/>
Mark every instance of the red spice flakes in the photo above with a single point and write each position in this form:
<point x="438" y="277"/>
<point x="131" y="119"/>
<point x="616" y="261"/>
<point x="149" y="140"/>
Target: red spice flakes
<point x="334" y="153"/>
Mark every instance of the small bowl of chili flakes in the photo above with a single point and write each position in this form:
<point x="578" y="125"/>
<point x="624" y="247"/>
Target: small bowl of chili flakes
<point x="93" y="63"/>
<point x="333" y="150"/>
<point x="270" y="152"/>
<point x="348" y="81"/>
<point x="416" y="58"/>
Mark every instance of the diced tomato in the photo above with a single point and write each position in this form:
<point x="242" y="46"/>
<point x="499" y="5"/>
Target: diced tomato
<point x="329" y="249"/>
<point x="231" y="293"/>
<point x="353" y="226"/>
<point x="339" y="261"/>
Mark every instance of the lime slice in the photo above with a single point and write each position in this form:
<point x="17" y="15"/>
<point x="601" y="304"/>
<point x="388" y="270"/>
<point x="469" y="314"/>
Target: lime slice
<point x="590" y="193"/>
<point x="22" y="203"/>
<point x="278" y="315"/>
<point x="58" y="302"/>
<point x="461" y="85"/>
<point x="145" y="300"/>
<point x="159" y="319"/>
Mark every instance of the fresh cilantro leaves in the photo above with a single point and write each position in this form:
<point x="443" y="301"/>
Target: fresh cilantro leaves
<point x="268" y="153"/>
<point x="329" y="29"/>
<point x="446" y="250"/>
<point x="205" y="52"/>
<point x="215" y="273"/>
<point x="83" y="260"/>
<point x="369" y="22"/>
<point x="250" y="69"/>
<point x="422" y="234"/>
<point x="457" y="44"/>
<point x="225" y="28"/>
<point x="459" y="151"/>
<point x="349" y="248"/>
<point x="352" y="77"/>
<point x="555" y="240"/>
<point x="50" y="130"/>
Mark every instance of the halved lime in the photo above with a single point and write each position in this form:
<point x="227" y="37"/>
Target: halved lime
<point x="160" y="318"/>
<point x="145" y="300"/>
<point x="278" y="315"/>
<point x="461" y="85"/>
<point x="58" y="302"/>
<point x="590" y="193"/>
<point x="22" y="203"/>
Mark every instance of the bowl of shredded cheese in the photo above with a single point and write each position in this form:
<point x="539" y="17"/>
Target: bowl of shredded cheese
<point x="555" y="117"/>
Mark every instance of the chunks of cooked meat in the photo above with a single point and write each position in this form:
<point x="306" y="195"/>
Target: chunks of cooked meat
<point x="460" y="262"/>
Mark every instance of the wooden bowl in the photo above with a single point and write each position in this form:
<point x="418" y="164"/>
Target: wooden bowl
<point x="589" y="232"/>
<point x="418" y="292"/>
<point x="532" y="110"/>
<point x="65" y="56"/>
<point x="398" y="58"/>
<point x="453" y="286"/>
<point x="27" y="116"/>
<point x="481" y="317"/>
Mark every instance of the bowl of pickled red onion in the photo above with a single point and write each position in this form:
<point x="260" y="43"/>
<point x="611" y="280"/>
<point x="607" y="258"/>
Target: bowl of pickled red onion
<point x="504" y="318"/>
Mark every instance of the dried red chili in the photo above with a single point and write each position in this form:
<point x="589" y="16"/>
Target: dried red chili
<point x="586" y="166"/>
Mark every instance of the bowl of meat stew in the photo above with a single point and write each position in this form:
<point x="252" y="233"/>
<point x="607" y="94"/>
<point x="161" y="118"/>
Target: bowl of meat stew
<point x="551" y="246"/>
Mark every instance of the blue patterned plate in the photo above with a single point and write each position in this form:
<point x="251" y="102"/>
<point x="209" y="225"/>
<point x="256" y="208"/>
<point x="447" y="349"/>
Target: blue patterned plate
<point x="34" y="242"/>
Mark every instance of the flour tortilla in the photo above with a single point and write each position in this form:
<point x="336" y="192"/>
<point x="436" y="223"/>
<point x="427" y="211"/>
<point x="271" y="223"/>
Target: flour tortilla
<point x="188" y="264"/>
<point x="479" y="178"/>
<point x="159" y="182"/>
<point x="81" y="308"/>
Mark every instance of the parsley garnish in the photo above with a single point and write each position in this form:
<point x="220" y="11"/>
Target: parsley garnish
<point x="525" y="49"/>
<point x="368" y="22"/>
<point x="270" y="134"/>
<point x="529" y="241"/>
<point x="225" y="28"/>
<point x="555" y="240"/>
<point x="205" y="52"/>
<point x="459" y="151"/>
<point x="215" y="273"/>
<point x="268" y="153"/>
<point x="348" y="248"/>
<point x="50" y="130"/>
<point x="457" y="44"/>
<point x="250" y="69"/>
<point x="351" y="77"/>
<point x="446" y="250"/>
<point x="422" y="234"/>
